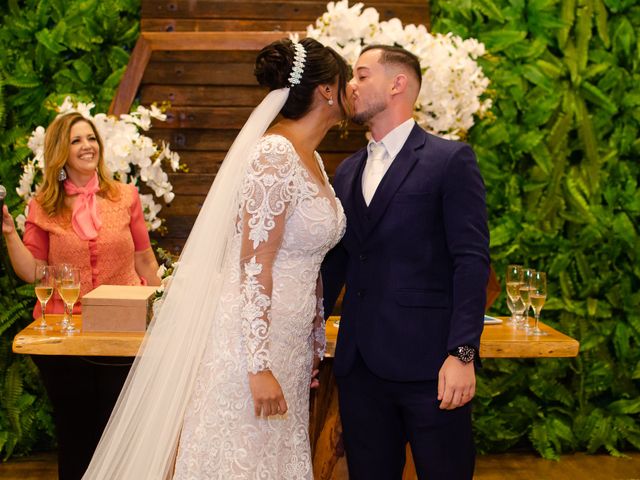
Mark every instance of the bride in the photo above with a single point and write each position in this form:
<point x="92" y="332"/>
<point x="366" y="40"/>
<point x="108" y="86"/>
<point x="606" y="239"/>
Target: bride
<point x="221" y="389"/>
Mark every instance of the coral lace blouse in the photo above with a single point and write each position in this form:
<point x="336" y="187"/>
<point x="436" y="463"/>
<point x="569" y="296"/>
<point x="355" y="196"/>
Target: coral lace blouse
<point x="107" y="259"/>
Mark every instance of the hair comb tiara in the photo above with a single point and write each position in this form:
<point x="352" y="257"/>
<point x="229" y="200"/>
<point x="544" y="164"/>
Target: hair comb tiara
<point x="299" y="60"/>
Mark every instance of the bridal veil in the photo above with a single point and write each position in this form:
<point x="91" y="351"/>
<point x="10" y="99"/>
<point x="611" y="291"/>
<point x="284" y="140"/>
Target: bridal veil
<point x="141" y="438"/>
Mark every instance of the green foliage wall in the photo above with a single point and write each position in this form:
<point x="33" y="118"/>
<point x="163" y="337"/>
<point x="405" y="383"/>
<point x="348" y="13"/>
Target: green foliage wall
<point x="48" y="49"/>
<point x="560" y="160"/>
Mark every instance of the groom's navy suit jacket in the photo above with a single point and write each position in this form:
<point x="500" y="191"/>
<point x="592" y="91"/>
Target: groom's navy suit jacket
<point x="415" y="261"/>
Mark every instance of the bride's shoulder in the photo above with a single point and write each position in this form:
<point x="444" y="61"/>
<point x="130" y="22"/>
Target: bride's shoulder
<point x="274" y="151"/>
<point x="276" y="148"/>
<point x="276" y="141"/>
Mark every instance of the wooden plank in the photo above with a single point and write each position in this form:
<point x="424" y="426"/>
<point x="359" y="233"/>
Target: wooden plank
<point x="128" y="87"/>
<point x="151" y="41"/>
<point x="213" y="73"/>
<point x="211" y="139"/>
<point x="208" y="162"/>
<point x="198" y="162"/>
<point x="194" y="139"/>
<point x="183" y="206"/>
<point x="337" y="142"/>
<point x="298" y="10"/>
<point x="204" y="56"/>
<point x="187" y="184"/>
<point x="179" y="227"/>
<point x="205" y="117"/>
<point x="170" y="244"/>
<point x="325" y="429"/>
<point x="221" y="25"/>
<point x="206" y="41"/>
<point x="203" y="95"/>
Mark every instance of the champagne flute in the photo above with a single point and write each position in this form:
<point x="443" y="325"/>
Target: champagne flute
<point x="44" y="283"/>
<point x="68" y="282"/>
<point x="538" y="296"/>
<point x="525" y="289"/>
<point x="515" y="275"/>
<point x="519" y="306"/>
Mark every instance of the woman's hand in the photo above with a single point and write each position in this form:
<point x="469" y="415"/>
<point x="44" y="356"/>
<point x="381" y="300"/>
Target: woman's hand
<point x="268" y="398"/>
<point x="21" y="258"/>
<point x="8" y="226"/>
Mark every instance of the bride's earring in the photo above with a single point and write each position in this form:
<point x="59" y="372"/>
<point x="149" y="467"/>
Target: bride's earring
<point x="330" y="101"/>
<point x="62" y="175"/>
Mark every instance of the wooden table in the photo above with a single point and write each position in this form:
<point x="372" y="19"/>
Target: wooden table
<point x="325" y="429"/>
<point x="498" y="341"/>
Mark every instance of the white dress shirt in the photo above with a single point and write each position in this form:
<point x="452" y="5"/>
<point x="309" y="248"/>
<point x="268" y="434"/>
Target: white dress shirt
<point x="392" y="143"/>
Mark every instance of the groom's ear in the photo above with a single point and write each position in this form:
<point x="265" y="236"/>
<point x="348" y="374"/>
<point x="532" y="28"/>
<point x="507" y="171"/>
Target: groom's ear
<point x="399" y="84"/>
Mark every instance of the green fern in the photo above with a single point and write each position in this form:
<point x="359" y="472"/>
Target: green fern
<point x="11" y="395"/>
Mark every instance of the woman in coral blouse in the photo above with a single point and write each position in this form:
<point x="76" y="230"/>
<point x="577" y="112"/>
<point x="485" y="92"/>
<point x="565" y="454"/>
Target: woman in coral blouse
<point x="82" y="217"/>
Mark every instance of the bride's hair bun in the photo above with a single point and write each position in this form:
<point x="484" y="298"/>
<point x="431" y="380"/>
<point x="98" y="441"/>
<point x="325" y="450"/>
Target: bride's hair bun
<point x="321" y="66"/>
<point x="274" y="63"/>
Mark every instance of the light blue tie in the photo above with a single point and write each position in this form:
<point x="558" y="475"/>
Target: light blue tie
<point x="375" y="172"/>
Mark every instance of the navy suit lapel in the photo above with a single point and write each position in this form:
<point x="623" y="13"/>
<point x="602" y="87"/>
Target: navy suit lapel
<point x="398" y="171"/>
<point x="352" y="193"/>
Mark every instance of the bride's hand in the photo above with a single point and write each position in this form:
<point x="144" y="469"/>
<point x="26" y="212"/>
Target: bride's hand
<point x="268" y="398"/>
<point x="315" y="370"/>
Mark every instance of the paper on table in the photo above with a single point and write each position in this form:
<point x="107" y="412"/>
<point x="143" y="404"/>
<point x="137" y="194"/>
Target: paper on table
<point x="491" y="320"/>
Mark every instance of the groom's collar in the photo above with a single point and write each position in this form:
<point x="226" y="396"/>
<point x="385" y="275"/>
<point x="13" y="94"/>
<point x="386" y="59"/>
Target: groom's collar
<point x="396" y="138"/>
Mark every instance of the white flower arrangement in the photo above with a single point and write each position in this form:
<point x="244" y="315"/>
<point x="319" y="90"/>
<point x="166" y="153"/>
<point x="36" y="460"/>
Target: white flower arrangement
<point x="131" y="156"/>
<point x="453" y="83"/>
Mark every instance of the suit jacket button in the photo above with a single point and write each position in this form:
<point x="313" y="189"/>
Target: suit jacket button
<point x="363" y="257"/>
<point x="360" y="293"/>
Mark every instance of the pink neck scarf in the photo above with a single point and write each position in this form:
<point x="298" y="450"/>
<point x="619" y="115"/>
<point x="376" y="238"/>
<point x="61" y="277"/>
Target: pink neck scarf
<point x="84" y="219"/>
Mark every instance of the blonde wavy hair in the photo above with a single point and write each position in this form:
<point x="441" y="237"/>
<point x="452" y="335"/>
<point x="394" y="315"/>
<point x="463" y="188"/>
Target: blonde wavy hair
<point x="51" y="195"/>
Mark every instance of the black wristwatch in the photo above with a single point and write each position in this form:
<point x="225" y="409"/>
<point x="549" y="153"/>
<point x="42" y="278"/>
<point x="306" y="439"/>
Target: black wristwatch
<point x="464" y="353"/>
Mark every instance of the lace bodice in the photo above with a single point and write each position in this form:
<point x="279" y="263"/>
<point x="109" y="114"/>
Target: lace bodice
<point x="270" y="317"/>
<point x="286" y="219"/>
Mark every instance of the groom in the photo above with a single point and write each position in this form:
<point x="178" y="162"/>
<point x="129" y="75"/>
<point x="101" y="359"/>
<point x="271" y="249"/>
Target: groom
<point x="415" y="260"/>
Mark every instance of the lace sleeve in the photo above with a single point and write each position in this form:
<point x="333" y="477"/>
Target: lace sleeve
<point x="319" y="332"/>
<point x="266" y="196"/>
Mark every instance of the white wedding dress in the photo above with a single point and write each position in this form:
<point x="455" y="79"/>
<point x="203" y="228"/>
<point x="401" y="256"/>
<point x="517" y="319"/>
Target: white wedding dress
<point x="270" y="317"/>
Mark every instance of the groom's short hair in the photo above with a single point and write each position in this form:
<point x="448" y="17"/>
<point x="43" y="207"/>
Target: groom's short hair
<point x="394" y="55"/>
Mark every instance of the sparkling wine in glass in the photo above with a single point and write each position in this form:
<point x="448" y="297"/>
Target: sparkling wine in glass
<point x="538" y="296"/>
<point x="68" y="283"/>
<point x="515" y="276"/>
<point x="525" y="289"/>
<point x="44" y="283"/>
<point x="514" y="280"/>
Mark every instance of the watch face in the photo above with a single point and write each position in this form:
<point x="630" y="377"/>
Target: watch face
<point x="466" y="353"/>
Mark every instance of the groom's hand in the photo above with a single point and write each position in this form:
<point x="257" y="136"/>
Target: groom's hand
<point x="456" y="383"/>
